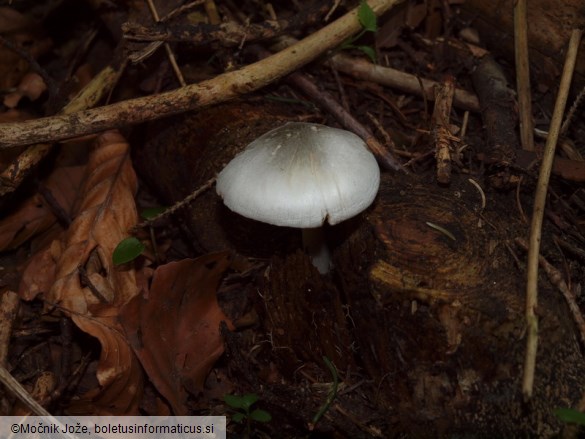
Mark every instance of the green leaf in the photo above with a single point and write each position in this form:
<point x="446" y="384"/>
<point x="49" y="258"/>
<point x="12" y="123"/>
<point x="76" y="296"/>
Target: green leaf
<point x="368" y="50"/>
<point x="367" y="17"/>
<point x="127" y="250"/>
<point x="234" y="401"/>
<point x="249" y="399"/>
<point x="570" y="416"/>
<point x="260" y="416"/>
<point x="151" y="212"/>
<point x="238" y="417"/>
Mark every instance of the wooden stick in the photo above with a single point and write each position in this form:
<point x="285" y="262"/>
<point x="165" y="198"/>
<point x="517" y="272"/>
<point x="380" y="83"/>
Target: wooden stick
<point x="523" y="75"/>
<point x="219" y="89"/>
<point x="89" y="96"/>
<point x="556" y="278"/>
<point x="168" y="50"/>
<point x="362" y="69"/>
<point x="538" y="213"/>
<point x="441" y="129"/>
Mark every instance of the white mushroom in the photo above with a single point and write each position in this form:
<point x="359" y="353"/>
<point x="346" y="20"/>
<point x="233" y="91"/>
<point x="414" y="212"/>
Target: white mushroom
<point x="301" y="175"/>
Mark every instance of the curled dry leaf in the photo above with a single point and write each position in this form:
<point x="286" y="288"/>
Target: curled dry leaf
<point x="106" y="212"/>
<point x="175" y="331"/>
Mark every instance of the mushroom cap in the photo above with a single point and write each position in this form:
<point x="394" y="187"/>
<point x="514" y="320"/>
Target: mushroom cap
<point x="300" y="175"/>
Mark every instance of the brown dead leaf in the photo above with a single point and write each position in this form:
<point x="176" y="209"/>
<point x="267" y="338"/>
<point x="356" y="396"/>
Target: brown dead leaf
<point x="34" y="215"/>
<point x="12" y="65"/>
<point x="106" y="212"/>
<point x="13" y="21"/>
<point x="31" y="85"/>
<point x="175" y="331"/>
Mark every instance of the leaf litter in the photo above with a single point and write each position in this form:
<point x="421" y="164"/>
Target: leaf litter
<point x="175" y="328"/>
<point x="170" y="330"/>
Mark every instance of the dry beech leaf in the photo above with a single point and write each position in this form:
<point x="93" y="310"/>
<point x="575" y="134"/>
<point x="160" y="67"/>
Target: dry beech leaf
<point x="175" y="331"/>
<point x="12" y="65"/>
<point x="13" y="21"/>
<point x="33" y="216"/>
<point x="106" y="212"/>
<point x="31" y="85"/>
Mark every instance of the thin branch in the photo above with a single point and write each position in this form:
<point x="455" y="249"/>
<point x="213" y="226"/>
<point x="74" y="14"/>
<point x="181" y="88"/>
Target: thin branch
<point x="523" y="75"/>
<point x="538" y="213"/>
<point x="556" y="278"/>
<point x="92" y="93"/>
<point x="219" y="89"/>
<point x="170" y="54"/>
<point x="441" y="129"/>
<point x="362" y="69"/>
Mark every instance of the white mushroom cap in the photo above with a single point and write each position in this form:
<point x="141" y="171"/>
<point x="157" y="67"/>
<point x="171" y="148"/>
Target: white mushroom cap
<point x="300" y="175"/>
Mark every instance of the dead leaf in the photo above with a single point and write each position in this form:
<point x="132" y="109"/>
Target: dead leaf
<point x="175" y="331"/>
<point x="34" y="215"/>
<point x="13" y="21"/>
<point x="31" y="85"/>
<point x="119" y="372"/>
<point x="12" y="65"/>
<point x="106" y="212"/>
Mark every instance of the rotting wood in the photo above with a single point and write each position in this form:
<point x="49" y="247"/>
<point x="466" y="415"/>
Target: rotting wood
<point x="498" y="110"/>
<point x="441" y="129"/>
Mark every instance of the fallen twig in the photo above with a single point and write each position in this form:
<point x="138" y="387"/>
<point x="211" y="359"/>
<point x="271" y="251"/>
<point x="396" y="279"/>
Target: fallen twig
<point x="538" y="213"/>
<point x="441" y="131"/>
<point x="498" y="112"/>
<point x="362" y="69"/>
<point x="9" y="303"/>
<point x="523" y="75"/>
<point x="219" y="89"/>
<point x="556" y="278"/>
<point x="14" y="174"/>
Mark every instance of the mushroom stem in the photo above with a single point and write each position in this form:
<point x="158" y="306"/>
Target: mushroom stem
<point x="316" y="247"/>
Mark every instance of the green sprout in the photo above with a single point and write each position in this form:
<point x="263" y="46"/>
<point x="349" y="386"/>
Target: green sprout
<point x="570" y="416"/>
<point x="127" y="250"/>
<point x="369" y="22"/>
<point x="242" y="405"/>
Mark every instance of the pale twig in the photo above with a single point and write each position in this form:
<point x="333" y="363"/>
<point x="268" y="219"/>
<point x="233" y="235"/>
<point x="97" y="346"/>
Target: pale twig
<point x="16" y="389"/>
<point x="363" y="69"/>
<point x="538" y="214"/>
<point x="571" y="112"/>
<point x="219" y="89"/>
<point x="556" y="278"/>
<point x="92" y="93"/>
<point x="170" y="54"/>
<point x="212" y="13"/>
<point x="523" y="75"/>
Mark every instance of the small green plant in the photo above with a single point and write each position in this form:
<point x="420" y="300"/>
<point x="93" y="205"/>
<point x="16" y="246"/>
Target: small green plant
<point x="332" y="392"/>
<point x="570" y="416"/>
<point x="127" y="250"/>
<point x="242" y="405"/>
<point x="369" y="23"/>
<point x="130" y="248"/>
